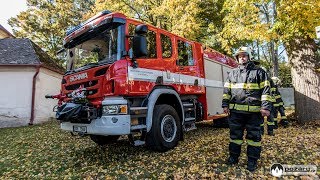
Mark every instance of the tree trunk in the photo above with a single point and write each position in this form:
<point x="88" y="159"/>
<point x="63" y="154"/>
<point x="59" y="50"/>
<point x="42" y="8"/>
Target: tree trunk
<point x="275" y="61"/>
<point x="305" y="80"/>
<point x="258" y="50"/>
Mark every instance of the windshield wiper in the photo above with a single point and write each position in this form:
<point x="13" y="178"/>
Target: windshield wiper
<point x="69" y="72"/>
<point x="86" y="66"/>
<point x="107" y="61"/>
<point x="91" y="64"/>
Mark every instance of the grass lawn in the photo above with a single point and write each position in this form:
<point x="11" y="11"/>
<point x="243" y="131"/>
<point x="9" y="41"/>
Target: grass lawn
<point x="44" y="151"/>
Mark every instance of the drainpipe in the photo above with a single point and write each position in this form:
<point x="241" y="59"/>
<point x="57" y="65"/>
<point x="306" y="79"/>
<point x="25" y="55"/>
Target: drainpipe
<point x="34" y="93"/>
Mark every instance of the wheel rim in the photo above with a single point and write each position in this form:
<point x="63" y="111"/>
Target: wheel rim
<point x="168" y="128"/>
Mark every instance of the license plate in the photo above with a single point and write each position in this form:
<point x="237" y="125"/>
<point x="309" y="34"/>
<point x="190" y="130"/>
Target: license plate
<point x="82" y="129"/>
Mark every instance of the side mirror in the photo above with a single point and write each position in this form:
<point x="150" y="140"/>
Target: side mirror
<point x="140" y="41"/>
<point x="71" y="59"/>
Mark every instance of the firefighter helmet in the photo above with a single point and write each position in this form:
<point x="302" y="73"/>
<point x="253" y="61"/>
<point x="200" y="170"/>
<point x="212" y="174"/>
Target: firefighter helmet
<point x="256" y="62"/>
<point x="246" y="50"/>
<point x="276" y="80"/>
<point x="265" y="69"/>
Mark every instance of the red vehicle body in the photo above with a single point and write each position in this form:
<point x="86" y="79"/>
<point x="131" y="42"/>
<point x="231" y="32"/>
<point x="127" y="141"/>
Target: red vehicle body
<point x="156" y="86"/>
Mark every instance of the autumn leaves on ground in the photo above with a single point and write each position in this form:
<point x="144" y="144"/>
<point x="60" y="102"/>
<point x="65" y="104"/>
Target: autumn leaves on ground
<point x="44" y="151"/>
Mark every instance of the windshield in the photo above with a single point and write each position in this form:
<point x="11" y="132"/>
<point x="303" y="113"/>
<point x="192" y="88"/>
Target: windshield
<point x="104" y="47"/>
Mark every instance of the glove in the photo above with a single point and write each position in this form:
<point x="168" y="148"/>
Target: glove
<point x="226" y="110"/>
<point x="265" y="112"/>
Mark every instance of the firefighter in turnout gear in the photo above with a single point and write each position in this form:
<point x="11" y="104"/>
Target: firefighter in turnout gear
<point x="270" y="119"/>
<point x="246" y="99"/>
<point x="279" y="105"/>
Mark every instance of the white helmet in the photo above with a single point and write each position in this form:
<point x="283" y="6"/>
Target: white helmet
<point x="276" y="80"/>
<point x="265" y="69"/>
<point x="246" y="50"/>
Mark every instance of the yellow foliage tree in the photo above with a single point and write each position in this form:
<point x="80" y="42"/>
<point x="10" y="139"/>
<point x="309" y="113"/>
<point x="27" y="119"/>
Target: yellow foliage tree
<point x="244" y="21"/>
<point x="45" y="22"/>
<point x="182" y="17"/>
<point x="294" y="25"/>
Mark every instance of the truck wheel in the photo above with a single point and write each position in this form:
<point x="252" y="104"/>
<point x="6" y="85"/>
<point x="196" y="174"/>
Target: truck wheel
<point x="102" y="140"/>
<point x="166" y="128"/>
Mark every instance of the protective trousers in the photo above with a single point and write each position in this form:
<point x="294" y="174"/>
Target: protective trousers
<point x="238" y="122"/>
<point x="270" y="123"/>
<point x="284" y="120"/>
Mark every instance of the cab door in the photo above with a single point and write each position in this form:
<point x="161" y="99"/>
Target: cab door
<point x="143" y="78"/>
<point x="186" y="66"/>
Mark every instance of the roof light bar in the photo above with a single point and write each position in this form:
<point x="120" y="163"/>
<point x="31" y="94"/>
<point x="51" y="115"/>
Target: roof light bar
<point x="74" y="28"/>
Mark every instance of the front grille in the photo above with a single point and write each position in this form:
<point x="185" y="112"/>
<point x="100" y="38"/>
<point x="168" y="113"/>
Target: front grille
<point x="87" y="93"/>
<point x="85" y="85"/>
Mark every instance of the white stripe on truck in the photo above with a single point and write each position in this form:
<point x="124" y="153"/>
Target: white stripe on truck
<point x="150" y="75"/>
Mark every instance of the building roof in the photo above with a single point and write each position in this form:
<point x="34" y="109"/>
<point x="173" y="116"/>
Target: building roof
<point x="5" y="33"/>
<point x="25" y="52"/>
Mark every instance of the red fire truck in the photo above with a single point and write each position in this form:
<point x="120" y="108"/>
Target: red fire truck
<point x="125" y="77"/>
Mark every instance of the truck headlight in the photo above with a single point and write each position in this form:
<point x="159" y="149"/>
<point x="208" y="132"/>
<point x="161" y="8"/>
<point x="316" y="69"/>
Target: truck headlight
<point x="114" y="109"/>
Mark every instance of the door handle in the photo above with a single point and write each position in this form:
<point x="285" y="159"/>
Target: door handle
<point x="178" y="64"/>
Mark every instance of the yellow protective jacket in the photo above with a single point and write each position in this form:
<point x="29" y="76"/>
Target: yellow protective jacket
<point x="247" y="90"/>
<point x="277" y="96"/>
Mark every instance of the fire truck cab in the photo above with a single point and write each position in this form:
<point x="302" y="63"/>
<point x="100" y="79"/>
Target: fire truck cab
<point x="125" y="77"/>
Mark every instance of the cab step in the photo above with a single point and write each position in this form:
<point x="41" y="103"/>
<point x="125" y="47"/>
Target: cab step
<point x="136" y="142"/>
<point x="190" y="119"/>
<point x="187" y="104"/>
<point x="139" y="143"/>
<point x="189" y="127"/>
<point x="137" y="127"/>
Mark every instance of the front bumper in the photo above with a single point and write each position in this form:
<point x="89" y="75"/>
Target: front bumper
<point x="105" y="125"/>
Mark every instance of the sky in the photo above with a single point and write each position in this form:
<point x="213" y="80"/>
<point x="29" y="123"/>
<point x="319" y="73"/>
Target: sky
<point x="10" y="8"/>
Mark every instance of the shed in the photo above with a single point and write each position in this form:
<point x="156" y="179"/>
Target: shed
<point x="27" y="74"/>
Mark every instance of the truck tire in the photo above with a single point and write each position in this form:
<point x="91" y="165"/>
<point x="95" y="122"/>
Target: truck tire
<point x="102" y="140"/>
<point x="166" y="128"/>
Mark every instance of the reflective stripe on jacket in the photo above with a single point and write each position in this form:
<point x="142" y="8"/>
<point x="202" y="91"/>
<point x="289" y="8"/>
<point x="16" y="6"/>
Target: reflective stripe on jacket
<point x="273" y="92"/>
<point x="278" y="98"/>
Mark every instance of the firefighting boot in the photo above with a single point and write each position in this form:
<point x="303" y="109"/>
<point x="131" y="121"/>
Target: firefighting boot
<point x="270" y="133"/>
<point x="252" y="165"/>
<point x="284" y="123"/>
<point x="232" y="160"/>
<point x="275" y="124"/>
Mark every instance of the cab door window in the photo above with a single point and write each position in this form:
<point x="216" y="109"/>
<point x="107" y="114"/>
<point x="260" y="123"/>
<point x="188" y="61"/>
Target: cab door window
<point x="185" y="54"/>
<point x="166" y="46"/>
<point x="151" y="42"/>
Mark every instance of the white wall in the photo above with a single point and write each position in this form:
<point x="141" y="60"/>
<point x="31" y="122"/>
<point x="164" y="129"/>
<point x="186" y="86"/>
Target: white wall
<point x="16" y="91"/>
<point x="48" y="82"/>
